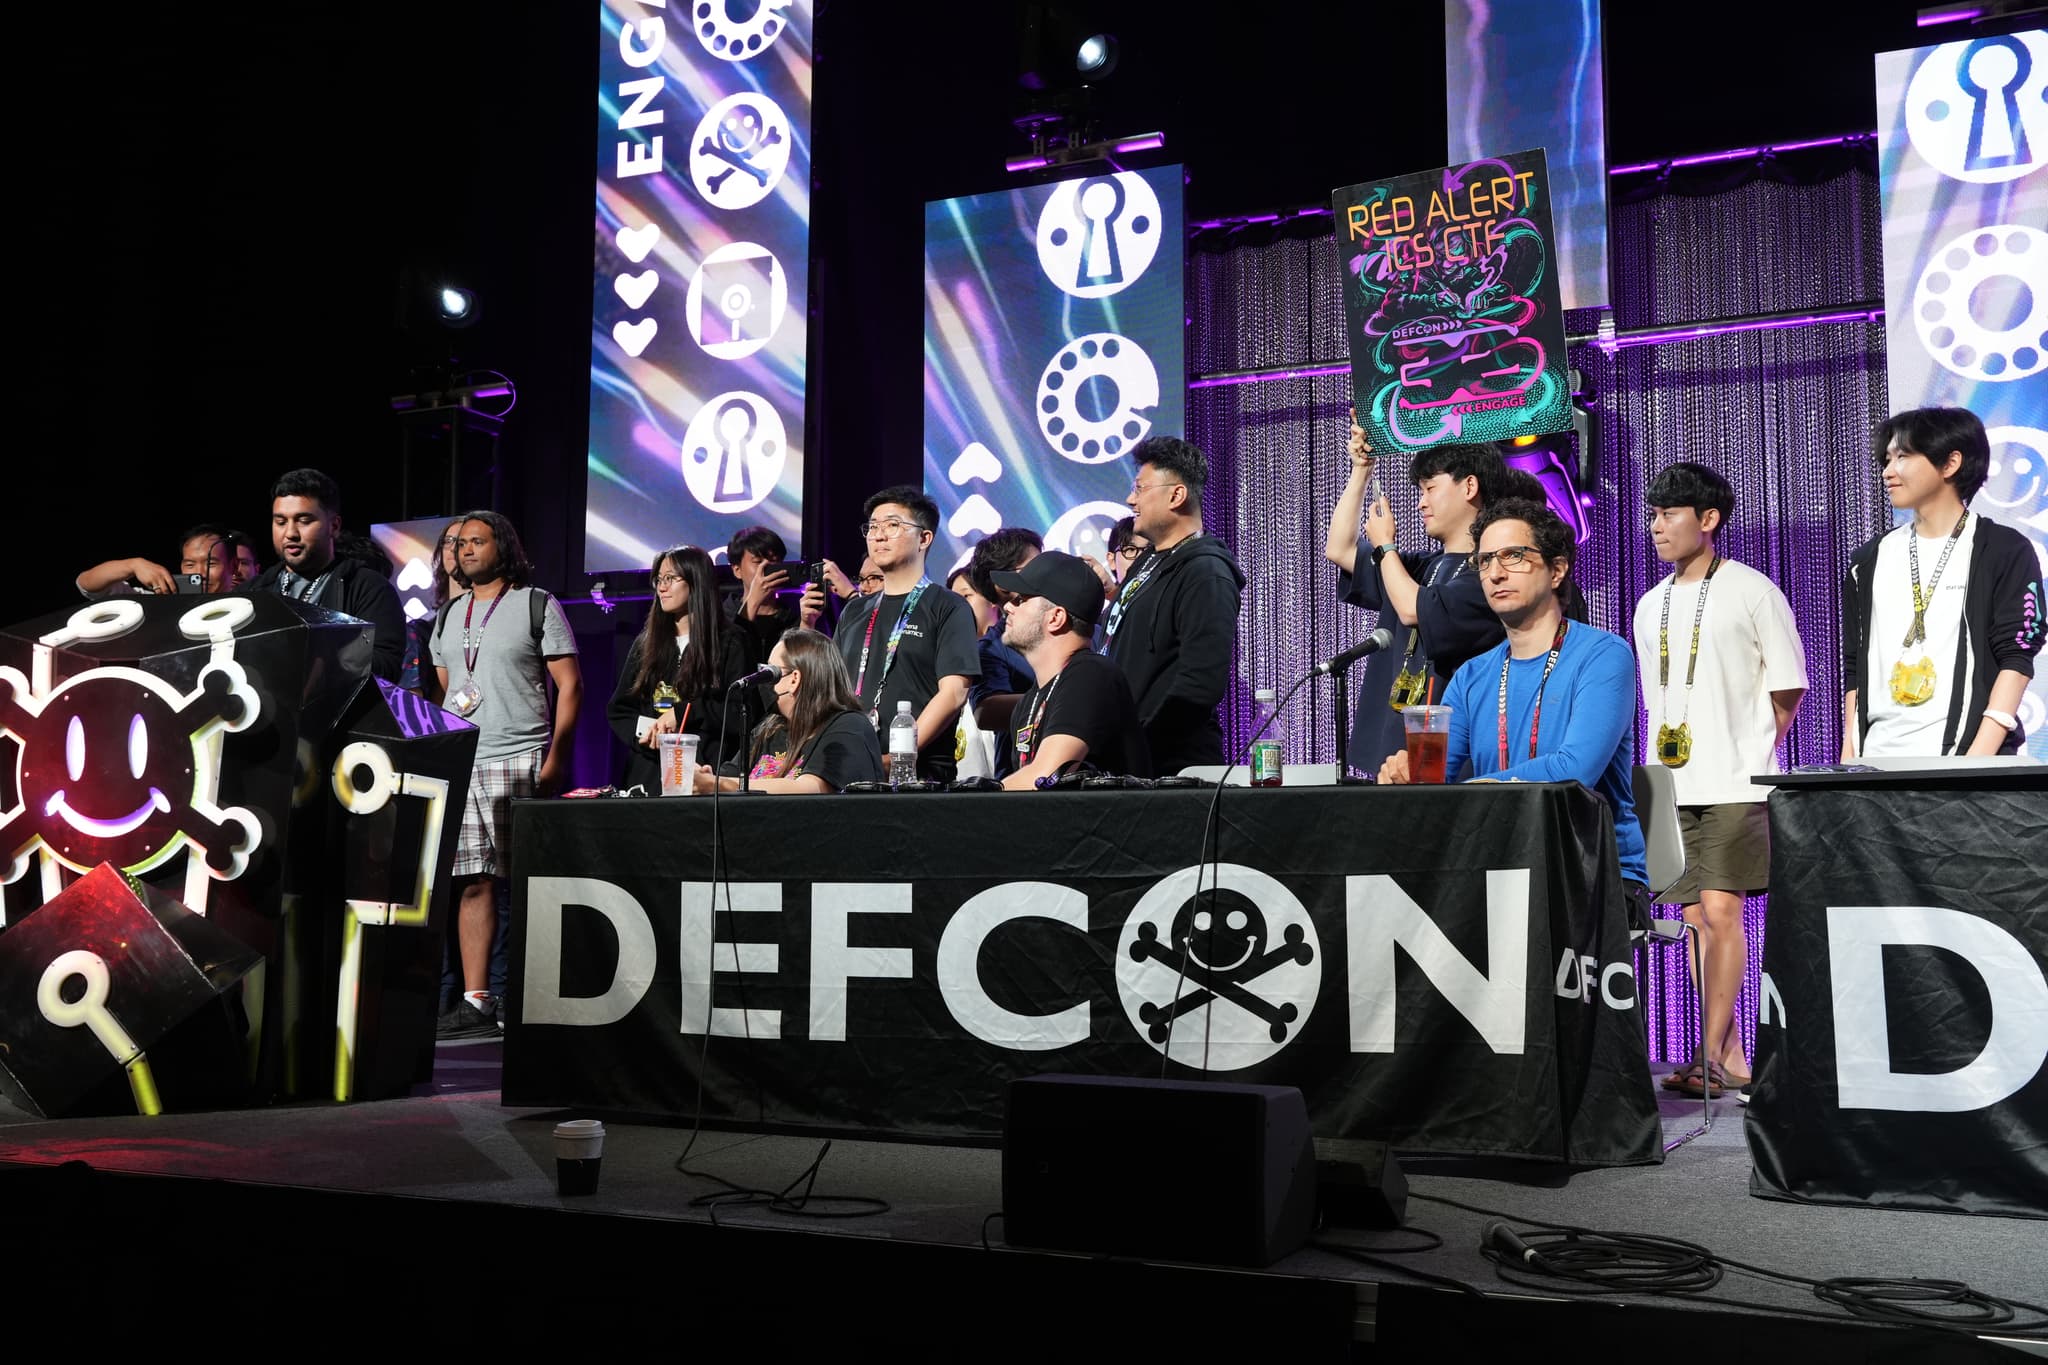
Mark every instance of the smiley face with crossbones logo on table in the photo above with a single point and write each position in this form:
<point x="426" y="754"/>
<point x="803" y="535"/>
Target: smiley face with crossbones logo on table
<point x="1218" y="944"/>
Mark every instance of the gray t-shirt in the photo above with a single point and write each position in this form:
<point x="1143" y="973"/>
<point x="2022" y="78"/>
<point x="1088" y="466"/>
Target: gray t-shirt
<point x="511" y="670"/>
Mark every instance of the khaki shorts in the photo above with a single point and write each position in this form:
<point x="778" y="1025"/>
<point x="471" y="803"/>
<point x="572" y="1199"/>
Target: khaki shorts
<point x="1727" y="848"/>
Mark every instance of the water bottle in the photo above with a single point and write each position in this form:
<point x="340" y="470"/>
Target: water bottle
<point x="902" y="746"/>
<point x="1272" y="739"/>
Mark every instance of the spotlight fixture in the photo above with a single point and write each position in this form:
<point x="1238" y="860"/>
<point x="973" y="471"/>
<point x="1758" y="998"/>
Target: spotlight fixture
<point x="1095" y="59"/>
<point x="457" y="305"/>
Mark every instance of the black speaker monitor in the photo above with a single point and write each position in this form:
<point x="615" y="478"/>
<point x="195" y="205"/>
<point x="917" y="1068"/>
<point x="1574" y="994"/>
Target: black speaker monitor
<point x="1207" y="1171"/>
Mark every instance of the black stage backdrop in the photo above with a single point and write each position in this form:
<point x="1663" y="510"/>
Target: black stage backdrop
<point x="901" y="959"/>
<point x="1786" y="415"/>
<point x="1904" y="1058"/>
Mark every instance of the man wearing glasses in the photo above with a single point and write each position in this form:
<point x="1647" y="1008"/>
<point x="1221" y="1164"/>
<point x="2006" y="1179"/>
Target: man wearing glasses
<point x="908" y="640"/>
<point x="1173" y="620"/>
<point x="1556" y="700"/>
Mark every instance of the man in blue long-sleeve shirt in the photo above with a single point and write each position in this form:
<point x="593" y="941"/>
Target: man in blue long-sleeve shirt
<point x="1555" y="701"/>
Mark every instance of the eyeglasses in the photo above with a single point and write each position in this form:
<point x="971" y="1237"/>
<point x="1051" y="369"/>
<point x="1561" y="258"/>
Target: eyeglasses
<point x="871" y="580"/>
<point x="888" y="528"/>
<point x="1127" y="552"/>
<point x="1137" y="488"/>
<point x="1510" y="557"/>
<point x="663" y="580"/>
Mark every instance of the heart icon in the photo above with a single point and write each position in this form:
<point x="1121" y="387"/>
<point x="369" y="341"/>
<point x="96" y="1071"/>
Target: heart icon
<point x="975" y="462"/>
<point x="973" y="515"/>
<point x="637" y="242"/>
<point x="416" y="575"/>
<point x="634" y="336"/>
<point x="634" y="289"/>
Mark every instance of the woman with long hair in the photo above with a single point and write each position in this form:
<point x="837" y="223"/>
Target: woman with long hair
<point x="678" y="673"/>
<point x="828" y="741"/>
<point x="418" y="673"/>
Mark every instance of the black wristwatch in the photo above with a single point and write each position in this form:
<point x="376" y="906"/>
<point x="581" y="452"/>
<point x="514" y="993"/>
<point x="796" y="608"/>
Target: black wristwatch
<point x="1380" y="552"/>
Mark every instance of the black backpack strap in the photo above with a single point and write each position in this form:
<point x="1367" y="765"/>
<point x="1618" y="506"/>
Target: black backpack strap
<point x="538" y="600"/>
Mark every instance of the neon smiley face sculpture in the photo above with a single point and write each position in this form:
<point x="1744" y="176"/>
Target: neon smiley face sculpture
<point x="116" y="765"/>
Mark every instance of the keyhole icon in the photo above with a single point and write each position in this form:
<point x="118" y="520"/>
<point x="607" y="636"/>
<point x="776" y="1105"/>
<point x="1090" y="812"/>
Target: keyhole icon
<point x="735" y="426"/>
<point x="1991" y="71"/>
<point x="1099" y="204"/>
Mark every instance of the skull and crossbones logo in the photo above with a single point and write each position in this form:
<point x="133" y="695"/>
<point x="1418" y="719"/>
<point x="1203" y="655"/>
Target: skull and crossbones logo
<point x="1220" y="980"/>
<point x="116" y="765"/>
<point x="740" y="149"/>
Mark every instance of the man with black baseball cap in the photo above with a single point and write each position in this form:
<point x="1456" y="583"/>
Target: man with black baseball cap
<point x="1082" y="710"/>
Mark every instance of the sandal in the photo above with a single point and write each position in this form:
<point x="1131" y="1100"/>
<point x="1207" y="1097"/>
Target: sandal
<point x="1712" y="1085"/>
<point x="1679" y="1079"/>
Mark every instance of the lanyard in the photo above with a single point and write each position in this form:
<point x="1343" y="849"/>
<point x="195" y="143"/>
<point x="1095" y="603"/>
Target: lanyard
<point x="1133" y="586"/>
<point x="1917" y="632"/>
<point x="1027" y="734"/>
<point x="473" y="644"/>
<point x="304" y="589"/>
<point x="1414" y="632"/>
<point x="1535" y="720"/>
<point x="1664" y="640"/>
<point x="889" y="650"/>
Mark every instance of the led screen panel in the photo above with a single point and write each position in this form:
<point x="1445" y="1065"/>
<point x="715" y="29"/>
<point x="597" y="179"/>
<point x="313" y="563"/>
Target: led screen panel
<point x="1963" y="165"/>
<point x="702" y="259"/>
<point x="1526" y="73"/>
<point x="1053" y="343"/>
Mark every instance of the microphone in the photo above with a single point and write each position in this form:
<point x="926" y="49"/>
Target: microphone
<point x="765" y="673"/>
<point x="1502" y="1239"/>
<point x="1371" y="644"/>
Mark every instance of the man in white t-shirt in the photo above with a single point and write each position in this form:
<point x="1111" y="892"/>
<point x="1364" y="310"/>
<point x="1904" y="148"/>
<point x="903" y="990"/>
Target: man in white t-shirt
<point x="1723" y="671"/>
<point x="1941" y="616"/>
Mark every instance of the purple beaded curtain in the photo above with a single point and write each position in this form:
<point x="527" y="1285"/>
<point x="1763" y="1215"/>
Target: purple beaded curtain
<point x="1786" y="415"/>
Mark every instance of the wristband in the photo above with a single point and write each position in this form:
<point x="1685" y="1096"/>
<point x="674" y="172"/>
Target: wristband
<point x="2004" y="718"/>
<point x="1380" y="552"/>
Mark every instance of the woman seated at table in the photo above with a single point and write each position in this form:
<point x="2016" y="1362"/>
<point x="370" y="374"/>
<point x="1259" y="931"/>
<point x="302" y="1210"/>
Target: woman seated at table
<point x="829" y="741"/>
<point x="1556" y="700"/>
<point x="677" y="673"/>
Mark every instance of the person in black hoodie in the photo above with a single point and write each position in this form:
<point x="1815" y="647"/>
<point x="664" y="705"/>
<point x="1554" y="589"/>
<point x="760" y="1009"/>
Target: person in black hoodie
<point x="1937" y="655"/>
<point x="678" y="674"/>
<point x="1172" y="624"/>
<point x="305" y="526"/>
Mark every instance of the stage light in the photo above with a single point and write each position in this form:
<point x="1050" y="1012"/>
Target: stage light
<point x="458" y="306"/>
<point x="1095" y="59"/>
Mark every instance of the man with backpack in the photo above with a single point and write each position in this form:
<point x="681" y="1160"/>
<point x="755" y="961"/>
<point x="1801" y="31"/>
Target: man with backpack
<point x="495" y="649"/>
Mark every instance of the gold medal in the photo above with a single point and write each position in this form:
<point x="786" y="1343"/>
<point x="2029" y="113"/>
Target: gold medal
<point x="665" y="697"/>
<point x="1913" y="684"/>
<point x="1674" y="745"/>
<point x="1410" y="688"/>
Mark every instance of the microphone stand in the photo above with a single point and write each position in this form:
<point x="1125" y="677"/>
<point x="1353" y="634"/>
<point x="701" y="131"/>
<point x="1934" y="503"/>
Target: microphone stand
<point x="1340" y="720"/>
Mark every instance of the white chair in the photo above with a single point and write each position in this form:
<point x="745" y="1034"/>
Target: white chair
<point x="1656" y="793"/>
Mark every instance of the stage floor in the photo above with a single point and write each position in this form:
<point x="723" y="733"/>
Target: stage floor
<point x="453" y="1141"/>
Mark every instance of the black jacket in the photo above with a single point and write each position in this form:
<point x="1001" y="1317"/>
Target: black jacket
<point x="358" y="590"/>
<point x="1174" y="644"/>
<point x="2004" y="618"/>
<point x="736" y="659"/>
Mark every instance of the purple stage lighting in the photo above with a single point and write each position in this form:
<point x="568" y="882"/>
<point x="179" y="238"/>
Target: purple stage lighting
<point x="1143" y="142"/>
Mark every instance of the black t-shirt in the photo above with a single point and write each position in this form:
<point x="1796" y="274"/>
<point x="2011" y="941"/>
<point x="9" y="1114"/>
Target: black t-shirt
<point x="1453" y="623"/>
<point x="846" y="750"/>
<point x="1091" y="700"/>
<point x="939" y="642"/>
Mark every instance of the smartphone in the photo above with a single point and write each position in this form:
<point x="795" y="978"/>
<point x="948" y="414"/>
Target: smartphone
<point x="814" y="572"/>
<point x="190" y="583"/>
